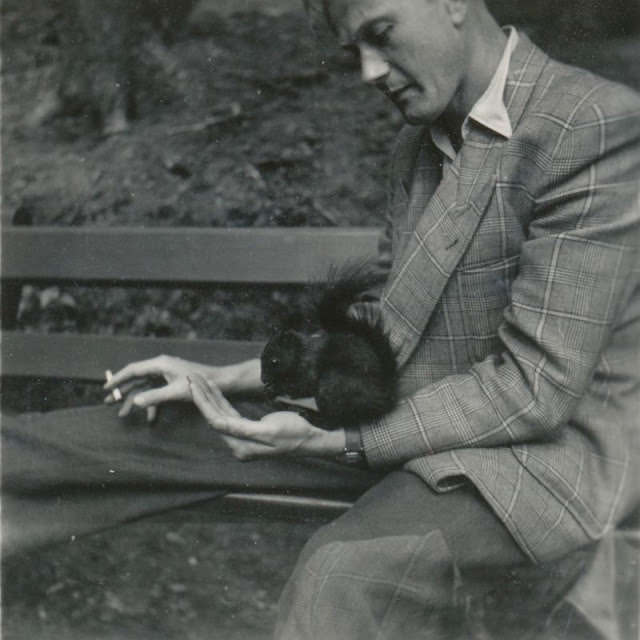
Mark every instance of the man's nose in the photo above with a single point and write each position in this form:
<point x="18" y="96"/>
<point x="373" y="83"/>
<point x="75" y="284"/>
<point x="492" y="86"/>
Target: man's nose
<point x="373" y="66"/>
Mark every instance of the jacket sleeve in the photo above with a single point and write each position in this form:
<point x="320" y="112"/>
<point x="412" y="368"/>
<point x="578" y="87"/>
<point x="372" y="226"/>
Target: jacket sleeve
<point x="577" y="269"/>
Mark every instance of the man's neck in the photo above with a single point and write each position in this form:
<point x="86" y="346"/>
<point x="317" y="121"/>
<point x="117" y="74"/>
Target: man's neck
<point x="484" y="51"/>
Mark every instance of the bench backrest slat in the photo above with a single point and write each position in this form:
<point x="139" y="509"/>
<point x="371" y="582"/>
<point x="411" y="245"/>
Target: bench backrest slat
<point x="179" y="256"/>
<point x="155" y="257"/>
<point x="85" y="357"/>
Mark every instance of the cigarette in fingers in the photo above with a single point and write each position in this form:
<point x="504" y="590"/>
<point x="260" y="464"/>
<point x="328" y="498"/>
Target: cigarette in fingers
<point x="116" y="394"/>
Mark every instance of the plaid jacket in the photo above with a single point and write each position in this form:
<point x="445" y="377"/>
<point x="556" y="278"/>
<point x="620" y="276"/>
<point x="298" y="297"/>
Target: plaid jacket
<point x="514" y="304"/>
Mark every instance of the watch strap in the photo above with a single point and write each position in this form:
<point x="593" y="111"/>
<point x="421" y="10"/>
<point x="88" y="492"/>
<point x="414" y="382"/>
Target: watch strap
<point x="353" y="453"/>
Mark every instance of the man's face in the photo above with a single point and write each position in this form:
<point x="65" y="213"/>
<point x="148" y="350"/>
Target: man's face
<point x="412" y="50"/>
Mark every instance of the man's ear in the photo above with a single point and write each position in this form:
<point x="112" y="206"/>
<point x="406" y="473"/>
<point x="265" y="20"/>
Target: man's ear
<point x="458" y="10"/>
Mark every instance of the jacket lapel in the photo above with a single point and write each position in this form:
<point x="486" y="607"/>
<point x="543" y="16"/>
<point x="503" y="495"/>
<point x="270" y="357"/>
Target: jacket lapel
<point x="442" y="220"/>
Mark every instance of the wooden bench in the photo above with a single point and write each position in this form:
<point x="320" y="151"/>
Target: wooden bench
<point x="131" y="257"/>
<point x="177" y="257"/>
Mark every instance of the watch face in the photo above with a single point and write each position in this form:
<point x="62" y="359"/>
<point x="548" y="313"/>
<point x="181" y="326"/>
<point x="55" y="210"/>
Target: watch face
<point x="352" y="457"/>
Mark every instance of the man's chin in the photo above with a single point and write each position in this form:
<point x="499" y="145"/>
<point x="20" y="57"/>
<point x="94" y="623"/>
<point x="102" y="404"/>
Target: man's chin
<point x="412" y="119"/>
<point x="415" y="116"/>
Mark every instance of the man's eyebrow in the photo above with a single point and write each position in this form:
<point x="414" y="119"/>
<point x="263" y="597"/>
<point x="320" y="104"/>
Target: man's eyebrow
<point x="365" y="29"/>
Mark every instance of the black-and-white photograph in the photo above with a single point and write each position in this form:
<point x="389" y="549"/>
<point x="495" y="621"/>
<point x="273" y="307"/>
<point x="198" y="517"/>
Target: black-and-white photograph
<point x="320" y="320"/>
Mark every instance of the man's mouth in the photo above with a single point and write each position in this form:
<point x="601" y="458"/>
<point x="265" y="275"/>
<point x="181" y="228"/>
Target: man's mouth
<point x="397" y="94"/>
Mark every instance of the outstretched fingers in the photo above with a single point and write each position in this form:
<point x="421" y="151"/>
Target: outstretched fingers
<point x="221" y="415"/>
<point x="211" y="394"/>
<point x="140" y="369"/>
<point x="118" y="392"/>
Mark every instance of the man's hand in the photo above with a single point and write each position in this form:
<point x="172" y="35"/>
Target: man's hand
<point x="135" y="383"/>
<point x="280" y="433"/>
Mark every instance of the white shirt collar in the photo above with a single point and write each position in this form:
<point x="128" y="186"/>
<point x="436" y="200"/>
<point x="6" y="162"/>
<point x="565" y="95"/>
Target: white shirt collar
<point x="490" y="110"/>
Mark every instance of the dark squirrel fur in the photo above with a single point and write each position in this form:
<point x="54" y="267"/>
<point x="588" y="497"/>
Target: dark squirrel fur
<point x="348" y="365"/>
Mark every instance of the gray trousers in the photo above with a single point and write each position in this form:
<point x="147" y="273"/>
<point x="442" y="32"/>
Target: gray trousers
<point x="403" y="563"/>
<point x="407" y="563"/>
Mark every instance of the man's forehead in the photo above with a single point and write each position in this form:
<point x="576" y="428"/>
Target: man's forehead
<point x="347" y="16"/>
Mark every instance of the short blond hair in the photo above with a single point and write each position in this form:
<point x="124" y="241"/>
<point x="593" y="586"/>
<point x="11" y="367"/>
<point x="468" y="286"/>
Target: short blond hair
<point x="319" y="15"/>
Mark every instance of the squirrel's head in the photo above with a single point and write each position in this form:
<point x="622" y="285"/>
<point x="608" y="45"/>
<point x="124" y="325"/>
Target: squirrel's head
<point x="280" y="362"/>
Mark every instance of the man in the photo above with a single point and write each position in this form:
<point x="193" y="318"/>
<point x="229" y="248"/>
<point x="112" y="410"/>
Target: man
<point x="513" y="301"/>
<point x="513" y="304"/>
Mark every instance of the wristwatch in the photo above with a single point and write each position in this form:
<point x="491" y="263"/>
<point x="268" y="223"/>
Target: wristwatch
<point x="353" y="453"/>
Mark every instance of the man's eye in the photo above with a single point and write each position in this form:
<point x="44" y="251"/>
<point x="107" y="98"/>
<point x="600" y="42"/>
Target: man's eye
<point x="353" y="51"/>
<point x="380" y="36"/>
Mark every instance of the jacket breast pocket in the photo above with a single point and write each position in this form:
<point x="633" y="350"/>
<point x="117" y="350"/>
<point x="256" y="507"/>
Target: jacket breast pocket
<point x="484" y="293"/>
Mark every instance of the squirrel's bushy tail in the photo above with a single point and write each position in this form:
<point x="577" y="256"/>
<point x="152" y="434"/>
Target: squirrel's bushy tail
<point x="344" y="286"/>
<point x="348" y="333"/>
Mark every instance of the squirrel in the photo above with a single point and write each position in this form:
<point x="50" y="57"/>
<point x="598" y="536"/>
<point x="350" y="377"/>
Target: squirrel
<point x="348" y="366"/>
